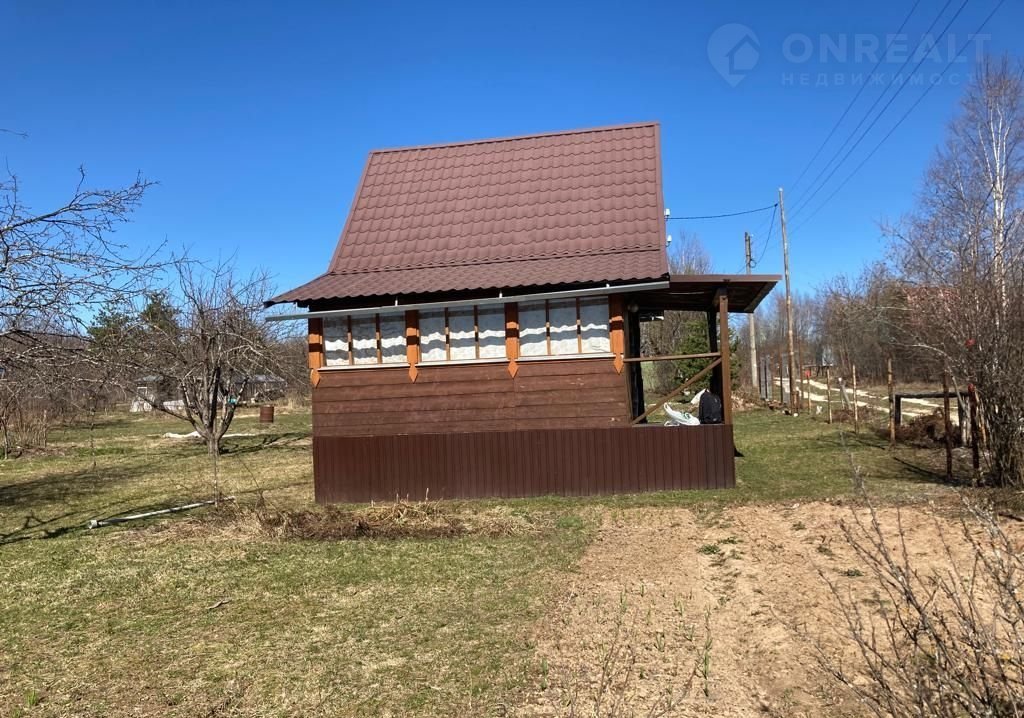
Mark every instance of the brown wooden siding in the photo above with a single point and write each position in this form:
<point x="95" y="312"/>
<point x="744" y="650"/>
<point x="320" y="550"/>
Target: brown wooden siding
<point x="533" y="462"/>
<point x="557" y="393"/>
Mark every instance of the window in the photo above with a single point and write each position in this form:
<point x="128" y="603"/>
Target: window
<point x="336" y="341"/>
<point x="433" y="339"/>
<point x="463" y="333"/>
<point x="490" y="321"/>
<point x="533" y="334"/>
<point x="364" y="340"/>
<point x="594" y="326"/>
<point x="555" y="327"/>
<point x="564" y="327"/>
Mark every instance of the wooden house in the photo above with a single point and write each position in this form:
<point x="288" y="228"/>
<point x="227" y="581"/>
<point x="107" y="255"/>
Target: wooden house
<point x="477" y="332"/>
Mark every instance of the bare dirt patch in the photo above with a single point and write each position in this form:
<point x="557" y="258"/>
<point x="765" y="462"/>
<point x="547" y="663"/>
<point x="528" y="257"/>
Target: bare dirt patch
<point x="679" y="612"/>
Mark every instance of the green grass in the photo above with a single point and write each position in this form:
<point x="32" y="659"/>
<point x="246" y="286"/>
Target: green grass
<point x="174" y="617"/>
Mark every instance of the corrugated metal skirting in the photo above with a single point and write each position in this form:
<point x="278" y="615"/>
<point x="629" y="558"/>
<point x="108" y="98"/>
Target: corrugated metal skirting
<point x="508" y="464"/>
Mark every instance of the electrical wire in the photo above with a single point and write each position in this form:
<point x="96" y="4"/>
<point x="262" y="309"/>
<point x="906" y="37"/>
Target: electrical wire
<point x="767" y="241"/>
<point x="819" y="186"/>
<point x="885" y="52"/>
<point x="730" y="214"/>
<point x="903" y="117"/>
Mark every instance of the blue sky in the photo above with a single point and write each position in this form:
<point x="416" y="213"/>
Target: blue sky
<point x="255" y="118"/>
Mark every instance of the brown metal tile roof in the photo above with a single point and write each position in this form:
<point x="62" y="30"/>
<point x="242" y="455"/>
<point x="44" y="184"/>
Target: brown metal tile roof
<point x="565" y="208"/>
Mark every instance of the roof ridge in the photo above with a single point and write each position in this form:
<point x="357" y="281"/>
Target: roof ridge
<point x="536" y="135"/>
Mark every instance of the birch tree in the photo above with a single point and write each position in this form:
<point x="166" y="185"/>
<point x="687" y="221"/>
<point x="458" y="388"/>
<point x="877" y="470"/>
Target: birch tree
<point x="960" y="254"/>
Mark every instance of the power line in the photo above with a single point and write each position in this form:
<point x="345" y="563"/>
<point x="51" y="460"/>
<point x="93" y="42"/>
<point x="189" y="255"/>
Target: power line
<point x="885" y="52"/>
<point x="904" y="116"/>
<point x="730" y="214"/>
<point x="767" y="241"/>
<point x="819" y="186"/>
<point x="761" y="228"/>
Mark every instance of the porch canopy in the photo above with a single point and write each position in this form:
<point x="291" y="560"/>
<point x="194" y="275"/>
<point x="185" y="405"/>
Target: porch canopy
<point x="699" y="293"/>
<point x="716" y="295"/>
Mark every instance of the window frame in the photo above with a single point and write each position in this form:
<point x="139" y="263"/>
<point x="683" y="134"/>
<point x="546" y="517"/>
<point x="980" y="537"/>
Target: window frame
<point x="378" y="342"/>
<point x="444" y="313"/>
<point x="579" y="353"/>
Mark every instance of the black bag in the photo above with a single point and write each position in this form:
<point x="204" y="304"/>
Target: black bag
<point x="710" y="409"/>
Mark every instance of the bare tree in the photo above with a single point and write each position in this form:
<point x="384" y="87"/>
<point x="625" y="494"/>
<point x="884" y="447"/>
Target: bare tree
<point x="669" y="335"/>
<point x="960" y="255"/>
<point x="205" y="337"/>
<point x="57" y="266"/>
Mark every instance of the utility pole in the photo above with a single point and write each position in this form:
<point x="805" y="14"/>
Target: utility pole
<point x="750" y="322"/>
<point x="789" y="303"/>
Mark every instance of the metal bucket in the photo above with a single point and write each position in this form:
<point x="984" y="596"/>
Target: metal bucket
<point x="267" y="414"/>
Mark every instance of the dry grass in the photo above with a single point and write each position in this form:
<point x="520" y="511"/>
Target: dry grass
<point x="397" y="520"/>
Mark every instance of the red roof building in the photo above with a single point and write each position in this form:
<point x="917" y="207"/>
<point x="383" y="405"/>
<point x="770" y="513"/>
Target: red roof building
<point x="483" y="309"/>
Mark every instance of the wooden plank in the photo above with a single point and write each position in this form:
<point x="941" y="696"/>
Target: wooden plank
<point x="726" y="368"/>
<point x="458" y="427"/>
<point x="413" y="352"/>
<point x="672" y="357"/>
<point x="316" y="343"/>
<point x="617" y="329"/>
<point x="587" y="401"/>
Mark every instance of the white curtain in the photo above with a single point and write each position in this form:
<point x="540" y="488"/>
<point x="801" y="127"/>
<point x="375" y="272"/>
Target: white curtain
<point x="432" y="346"/>
<point x="491" y="323"/>
<point x="562" y="316"/>
<point x="532" y="330"/>
<point x="336" y="341"/>
<point x="594" y="323"/>
<point x="364" y="339"/>
<point x="461" y="333"/>
<point x="392" y="338"/>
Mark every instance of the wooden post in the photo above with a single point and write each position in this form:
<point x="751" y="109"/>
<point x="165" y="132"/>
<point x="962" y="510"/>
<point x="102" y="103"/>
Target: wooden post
<point x="512" y="337"/>
<point x="723" y="347"/>
<point x="712" y="318"/>
<point x="751" y="330"/>
<point x="805" y="382"/>
<point x="316" y="349"/>
<point x="789" y="300"/>
<point x="617" y="329"/>
<point x="800" y="377"/>
<point x="412" y="342"/>
<point x="892" y="402"/>
<point x="856" y="415"/>
<point x="782" y="391"/>
<point x="972" y="397"/>
<point x="947" y="425"/>
<point x="828" y="391"/>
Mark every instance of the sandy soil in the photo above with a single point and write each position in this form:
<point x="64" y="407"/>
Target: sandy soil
<point x="655" y="612"/>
